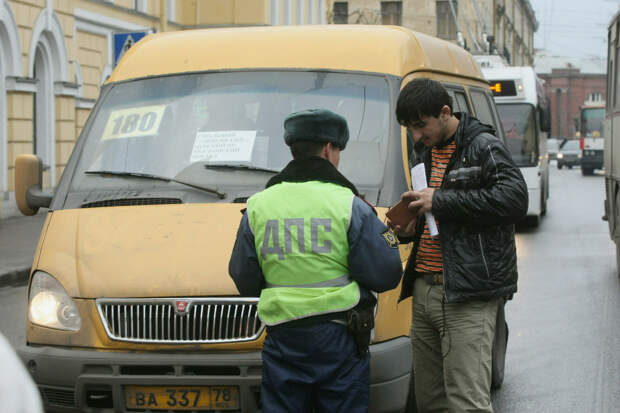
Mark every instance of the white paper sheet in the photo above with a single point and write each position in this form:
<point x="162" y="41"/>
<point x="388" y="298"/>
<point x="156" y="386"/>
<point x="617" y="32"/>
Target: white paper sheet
<point x="418" y="181"/>
<point x="223" y="146"/>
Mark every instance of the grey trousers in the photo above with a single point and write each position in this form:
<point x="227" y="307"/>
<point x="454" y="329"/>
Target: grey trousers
<point x="451" y="351"/>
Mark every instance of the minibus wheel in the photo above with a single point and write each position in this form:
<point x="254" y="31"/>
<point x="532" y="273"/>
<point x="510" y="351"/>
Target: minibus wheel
<point x="500" y="343"/>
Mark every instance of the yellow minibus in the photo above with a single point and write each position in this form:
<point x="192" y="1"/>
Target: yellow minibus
<point x="130" y="305"/>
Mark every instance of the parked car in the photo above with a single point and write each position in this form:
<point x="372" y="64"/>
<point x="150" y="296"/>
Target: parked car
<point x="553" y="147"/>
<point x="570" y="154"/>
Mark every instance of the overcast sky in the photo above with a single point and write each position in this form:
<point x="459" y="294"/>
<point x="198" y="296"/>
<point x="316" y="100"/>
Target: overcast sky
<point x="576" y="28"/>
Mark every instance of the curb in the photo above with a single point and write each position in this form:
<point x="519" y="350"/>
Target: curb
<point x="15" y="278"/>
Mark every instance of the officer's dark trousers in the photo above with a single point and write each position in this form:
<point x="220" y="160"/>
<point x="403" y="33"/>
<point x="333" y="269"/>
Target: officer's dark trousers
<point x="313" y="368"/>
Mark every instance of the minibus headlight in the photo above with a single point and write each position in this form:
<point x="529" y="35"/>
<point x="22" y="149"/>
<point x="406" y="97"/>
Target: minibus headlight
<point x="49" y="305"/>
<point x="560" y="155"/>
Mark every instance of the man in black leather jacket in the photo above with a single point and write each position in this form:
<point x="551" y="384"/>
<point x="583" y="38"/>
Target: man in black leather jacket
<point x="476" y="193"/>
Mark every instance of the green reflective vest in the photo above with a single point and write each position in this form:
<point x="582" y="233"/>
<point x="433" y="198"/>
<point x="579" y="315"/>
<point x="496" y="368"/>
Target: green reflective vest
<point x="300" y="233"/>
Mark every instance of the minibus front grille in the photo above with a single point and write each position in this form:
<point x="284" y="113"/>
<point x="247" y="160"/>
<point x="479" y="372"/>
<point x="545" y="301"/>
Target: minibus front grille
<point x="131" y="202"/>
<point x="181" y="320"/>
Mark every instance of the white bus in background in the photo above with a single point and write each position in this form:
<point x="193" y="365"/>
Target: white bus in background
<point x="525" y="115"/>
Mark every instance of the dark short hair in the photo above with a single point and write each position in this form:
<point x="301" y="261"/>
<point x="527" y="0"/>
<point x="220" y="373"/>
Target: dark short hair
<point x="305" y="149"/>
<point x="421" y="97"/>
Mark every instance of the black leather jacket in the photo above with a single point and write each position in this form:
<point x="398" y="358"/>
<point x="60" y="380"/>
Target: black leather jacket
<point x="481" y="197"/>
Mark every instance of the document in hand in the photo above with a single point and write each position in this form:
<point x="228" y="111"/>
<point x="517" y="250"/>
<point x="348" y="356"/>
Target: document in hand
<point x="418" y="181"/>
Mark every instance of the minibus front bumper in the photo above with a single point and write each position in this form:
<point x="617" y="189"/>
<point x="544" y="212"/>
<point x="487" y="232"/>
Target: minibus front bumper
<point x="82" y="380"/>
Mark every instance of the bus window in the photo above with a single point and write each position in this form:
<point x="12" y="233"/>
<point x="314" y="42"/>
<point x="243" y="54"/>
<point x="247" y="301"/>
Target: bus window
<point x="592" y="122"/>
<point x="482" y="107"/>
<point x="518" y="120"/>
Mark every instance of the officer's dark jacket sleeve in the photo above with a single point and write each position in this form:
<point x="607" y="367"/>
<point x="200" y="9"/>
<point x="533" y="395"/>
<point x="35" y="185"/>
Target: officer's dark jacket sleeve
<point x="374" y="262"/>
<point x="243" y="266"/>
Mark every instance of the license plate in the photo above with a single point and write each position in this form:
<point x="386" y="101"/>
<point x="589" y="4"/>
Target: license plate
<point x="182" y="397"/>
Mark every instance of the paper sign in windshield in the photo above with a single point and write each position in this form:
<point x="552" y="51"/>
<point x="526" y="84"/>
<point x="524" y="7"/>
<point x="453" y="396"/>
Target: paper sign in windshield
<point x="134" y="122"/>
<point x="223" y="146"/>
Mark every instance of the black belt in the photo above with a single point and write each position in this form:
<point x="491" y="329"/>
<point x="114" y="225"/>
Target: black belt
<point x="433" y="278"/>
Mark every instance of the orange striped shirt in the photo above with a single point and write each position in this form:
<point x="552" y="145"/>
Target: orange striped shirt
<point x="429" y="258"/>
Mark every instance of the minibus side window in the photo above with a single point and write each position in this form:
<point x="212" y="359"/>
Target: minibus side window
<point x="462" y="101"/>
<point x="454" y="103"/>
<point x="482" y="107"/>
<point x="459" y="101"/>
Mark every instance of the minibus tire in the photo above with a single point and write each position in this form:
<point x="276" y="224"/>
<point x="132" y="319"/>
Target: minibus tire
<point x="500" y="344"/>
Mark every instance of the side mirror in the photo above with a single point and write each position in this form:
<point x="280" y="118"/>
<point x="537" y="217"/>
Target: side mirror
<point x="545" y="118"/>
<point x="28" y="178"/>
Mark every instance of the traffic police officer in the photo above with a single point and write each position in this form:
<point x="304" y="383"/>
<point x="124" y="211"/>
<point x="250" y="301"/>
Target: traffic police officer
<point x="314" y="252"/>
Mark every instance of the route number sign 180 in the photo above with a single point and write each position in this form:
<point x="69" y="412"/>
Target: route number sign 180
<point x="134" y="122"/>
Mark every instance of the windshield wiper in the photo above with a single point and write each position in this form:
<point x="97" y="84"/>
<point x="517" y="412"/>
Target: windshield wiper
<point x="212" y="190"/>
<point x="241" y="167"/>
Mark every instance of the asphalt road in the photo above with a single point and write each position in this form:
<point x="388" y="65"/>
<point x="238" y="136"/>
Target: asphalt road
<point x="564" y="345"/>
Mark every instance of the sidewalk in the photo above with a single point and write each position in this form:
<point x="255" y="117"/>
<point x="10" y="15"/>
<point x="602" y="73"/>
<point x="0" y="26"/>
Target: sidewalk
<point x="18" y="241"/>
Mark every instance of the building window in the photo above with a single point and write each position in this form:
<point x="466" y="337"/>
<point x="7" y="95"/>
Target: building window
<point x="275" y="12"/>
<point x="595" y="97"/>
<point x="300" y="11"/>
<point x="341" y="12"/>
<point x="140" y="5"/>
<point x="288" y="12"/>
<point x="391" y="12"/>
<point x="172" y="10"/>
<point x="446" y="26"/>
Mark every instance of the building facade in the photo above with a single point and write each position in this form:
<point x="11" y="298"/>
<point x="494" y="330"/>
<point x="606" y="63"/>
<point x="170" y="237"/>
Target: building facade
<point x="567" y="89"/>
<point x="505" y="27"/>
<point x="55" y="54"/>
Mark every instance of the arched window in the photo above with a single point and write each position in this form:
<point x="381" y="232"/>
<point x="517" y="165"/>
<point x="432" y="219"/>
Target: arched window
<point x="48" y="64"/>
<point x="10" y="65"/>
<point x="43" y="117"/>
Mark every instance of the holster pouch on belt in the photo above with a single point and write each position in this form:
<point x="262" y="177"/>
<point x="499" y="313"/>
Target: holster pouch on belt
<point x="360" y="322"/>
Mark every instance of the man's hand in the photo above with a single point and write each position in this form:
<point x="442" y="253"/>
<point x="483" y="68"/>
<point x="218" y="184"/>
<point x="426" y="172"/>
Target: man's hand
<point x="422" y="200"/>
<point x="409" y="229"/>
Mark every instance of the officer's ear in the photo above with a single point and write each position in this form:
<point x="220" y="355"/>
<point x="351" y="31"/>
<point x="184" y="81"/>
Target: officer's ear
<point x="325" y="149"/>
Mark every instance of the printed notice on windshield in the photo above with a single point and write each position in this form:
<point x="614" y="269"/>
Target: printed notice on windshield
<point x="223" y="146"/>
<point x="134" y="122"/>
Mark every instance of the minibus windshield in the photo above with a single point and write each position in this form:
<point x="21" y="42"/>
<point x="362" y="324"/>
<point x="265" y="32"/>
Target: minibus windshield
<point x="225" y="129"/>
<point x="520" y="129"/>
